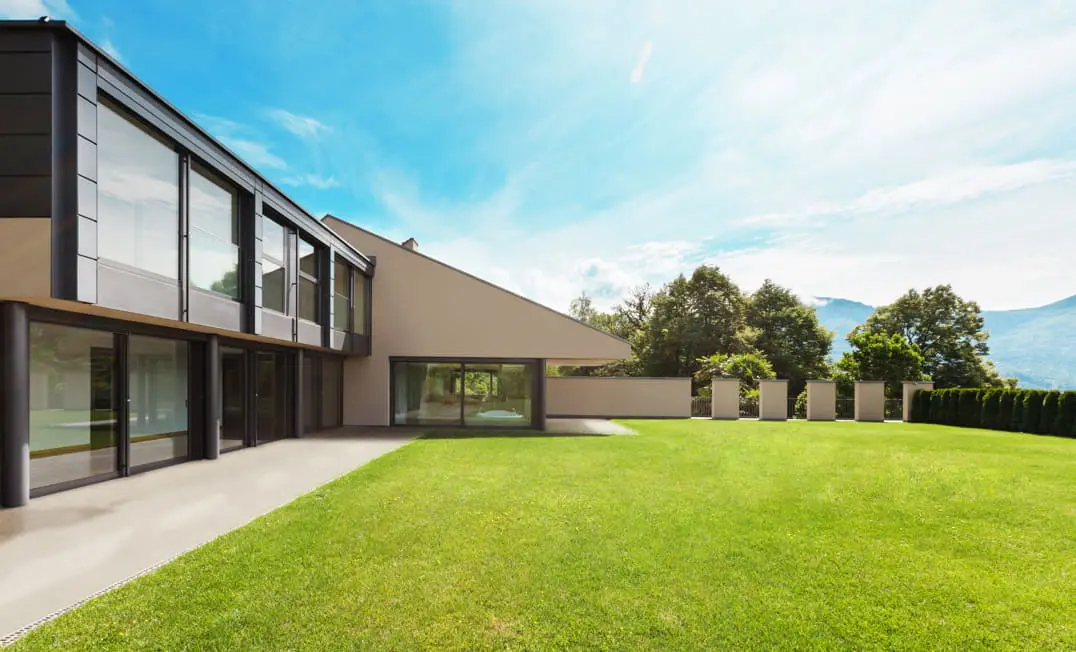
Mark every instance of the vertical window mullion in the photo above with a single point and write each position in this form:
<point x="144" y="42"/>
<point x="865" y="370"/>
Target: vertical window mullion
<point x="184" y="236"/>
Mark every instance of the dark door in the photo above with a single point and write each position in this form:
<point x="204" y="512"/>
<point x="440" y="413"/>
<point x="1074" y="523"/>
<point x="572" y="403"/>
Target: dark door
<point x="275" y="395"/>
<point x="233" y="400"/>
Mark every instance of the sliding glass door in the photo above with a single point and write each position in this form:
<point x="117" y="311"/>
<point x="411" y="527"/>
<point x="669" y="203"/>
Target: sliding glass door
<point x="471" y="394"/>
<point x="74" y="398"/>
<point x="233" y="399"/>
<point x="158" y="389"/>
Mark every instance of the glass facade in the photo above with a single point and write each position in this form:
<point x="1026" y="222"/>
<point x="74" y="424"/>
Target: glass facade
<point x="456" y="394"/>
<point x="158" y="391"/>
<point x="361" y="290"/>
<point x="341" y="294"/>
<point x="311" y="389"/>
<point x="138" y="196"/>
<point x="274" y="267"/>
<point x="214" y="234"/>
<point x="73" y="401"/>
<point x="308" y="282"/>
<point x="233" y="404"/>
<point x="275" y="395"/>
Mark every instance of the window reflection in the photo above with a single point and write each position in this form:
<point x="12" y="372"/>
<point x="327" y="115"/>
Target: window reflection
<point x="361" y="293"/>
<point x="440" y="393"/>
<point x="214" y="235"/>
<point x="308" y="282"/>
<point x="341" y="302"/>
<point x="157" y="385"/>
<point x="73" y="432"/>
<point x="138" y="196"/>
<point x="274" y="267"/>
<point x="497" y="394"/>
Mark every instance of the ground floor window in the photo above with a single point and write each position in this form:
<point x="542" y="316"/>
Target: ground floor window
<point x="471" y="394"/>
<point x="73" y="434"/>
<point x="158" y="390"/>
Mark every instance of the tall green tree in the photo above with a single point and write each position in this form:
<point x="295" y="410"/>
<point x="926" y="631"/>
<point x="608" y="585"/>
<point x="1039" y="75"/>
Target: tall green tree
<point x="789" y="335"/>
<point x="948" y="332"/>
<point x="693" y="318"/>
<point x="877" y="356"/>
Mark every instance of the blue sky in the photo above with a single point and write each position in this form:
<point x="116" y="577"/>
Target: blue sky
<point x="850" y="149"/>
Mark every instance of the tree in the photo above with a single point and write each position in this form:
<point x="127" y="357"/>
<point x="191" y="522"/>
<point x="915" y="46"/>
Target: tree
<point x="692" y="319"/>
<point x="876" y="356"/>
<point x="227" y="284"/>
<point x="789" y="334"/>
<point x="947" y="330"/>
<point x="749" y="368"/>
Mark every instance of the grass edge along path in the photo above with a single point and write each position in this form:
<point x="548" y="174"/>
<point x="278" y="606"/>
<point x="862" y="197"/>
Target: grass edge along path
<point x="693" y="534"/>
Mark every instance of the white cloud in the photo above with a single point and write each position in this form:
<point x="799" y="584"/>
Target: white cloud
<point x="254" y="152"/>
<point x="314" y="180"/>
<point x="301" y="126"/>
<point x="32" y="9"/>
<point x="110" y="48"/>
<point x="640" y="66"/>
<point x="844" y="149"/>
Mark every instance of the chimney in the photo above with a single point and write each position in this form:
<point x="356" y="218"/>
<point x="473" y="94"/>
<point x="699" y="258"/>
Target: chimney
<point x="410" y="244"/>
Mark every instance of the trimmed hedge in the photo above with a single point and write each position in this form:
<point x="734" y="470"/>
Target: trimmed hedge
<point x="1020" y="410"/>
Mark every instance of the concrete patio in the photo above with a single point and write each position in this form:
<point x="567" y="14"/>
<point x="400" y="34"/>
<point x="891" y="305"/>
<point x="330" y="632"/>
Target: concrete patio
<point x="61" y="549"/>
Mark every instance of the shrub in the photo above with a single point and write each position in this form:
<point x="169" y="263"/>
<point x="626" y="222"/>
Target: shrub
<point x="800" y="407"/>
<point x="991" y="403"/>
<point x="1018" y="402"/>
<point x="921" y="406"/>
<point x="1033" y="410"/>
<point x="936" y="407"/>
<point x="1065" y="422"/>
<point x="1005" y="409"/>
<point x="1049" y="413"/>
<point x="969" y="409"/>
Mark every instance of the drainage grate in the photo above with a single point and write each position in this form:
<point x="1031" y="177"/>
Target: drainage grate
<point x="23" y="631"/>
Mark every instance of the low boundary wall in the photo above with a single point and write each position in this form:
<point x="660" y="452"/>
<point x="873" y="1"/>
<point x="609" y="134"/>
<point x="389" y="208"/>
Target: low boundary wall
<point x="618" y="397"/>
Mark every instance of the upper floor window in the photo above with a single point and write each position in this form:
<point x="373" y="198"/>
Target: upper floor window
<point x="360" y="285"/>
<point x="138" y="196"/>
<point x="274" y="267"/>
<point x="214" y="234"/>
<point x="341" y="294"/>
<point x="308" y="282"/>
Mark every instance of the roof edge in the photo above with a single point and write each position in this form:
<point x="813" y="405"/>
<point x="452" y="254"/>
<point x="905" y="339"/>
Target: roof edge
<point x="329" y="216"/>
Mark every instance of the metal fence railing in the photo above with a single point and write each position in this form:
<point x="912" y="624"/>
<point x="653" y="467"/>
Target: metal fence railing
<point x="846" y="408"/>
<point x="796" y="412"/>
<point x="748" y="408"/>
<point x="894" y="409"/>
<point x="702" y="406"/>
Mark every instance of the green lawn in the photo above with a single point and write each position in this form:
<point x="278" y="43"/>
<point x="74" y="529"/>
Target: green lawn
<point x="693" y="535"/>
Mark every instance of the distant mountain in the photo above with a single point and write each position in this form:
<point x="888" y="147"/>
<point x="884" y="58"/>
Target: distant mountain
<point x="1036" y="345"/>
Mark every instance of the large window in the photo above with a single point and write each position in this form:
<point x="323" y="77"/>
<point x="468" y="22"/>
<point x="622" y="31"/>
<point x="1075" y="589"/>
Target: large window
<point x="341" y="294"/>
<point x="308" y="282"/>
<point x="471" y="394"/>
<point x="138" y="196"/>
<point x="157" y="383"/>
<point x="214" y="234"/>
<point x="73" y="425"/>
<point x="360" y="293"/>
<point x="274" y="267"/>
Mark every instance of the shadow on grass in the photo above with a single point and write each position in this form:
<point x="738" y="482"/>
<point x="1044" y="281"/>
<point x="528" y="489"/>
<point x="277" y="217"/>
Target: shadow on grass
<point x="516" y="434"/>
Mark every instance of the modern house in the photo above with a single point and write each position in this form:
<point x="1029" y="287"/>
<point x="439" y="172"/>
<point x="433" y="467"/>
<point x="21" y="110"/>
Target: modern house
<point x="161" y="301"/>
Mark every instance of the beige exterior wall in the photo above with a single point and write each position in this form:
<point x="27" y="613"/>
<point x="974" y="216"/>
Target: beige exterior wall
<point x="773" y="400"/>
<point x="424" y="308"/>
<point x="909" y="388"/>
<point x="821" y="400"/>
<point x="725" y="401"/>
<point x="25" y="257"/>
<point x="591" y="396"/>
<point x="870" y="400"/>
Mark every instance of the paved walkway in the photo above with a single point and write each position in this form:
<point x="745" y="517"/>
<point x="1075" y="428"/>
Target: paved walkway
<point x="62" y="548"/>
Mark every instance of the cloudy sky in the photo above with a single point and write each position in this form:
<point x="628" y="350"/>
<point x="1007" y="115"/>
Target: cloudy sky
<point x="851" y="149"/>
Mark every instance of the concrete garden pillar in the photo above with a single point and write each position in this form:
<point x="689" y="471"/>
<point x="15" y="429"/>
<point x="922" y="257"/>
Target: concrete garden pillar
<point x="725" y="393"/>
<point x="821" y="400"/>
<point x="870" y="400"/>
<point x="773" y="400"/>
<point x="910" y="387"/>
